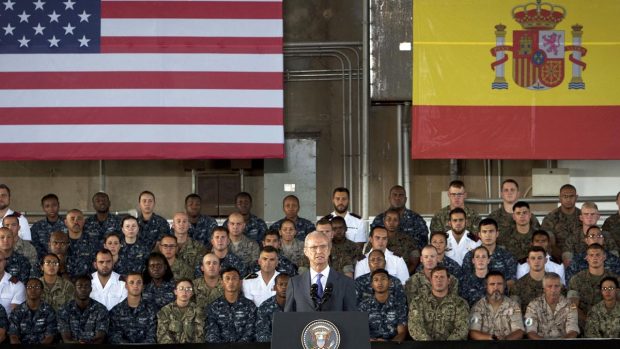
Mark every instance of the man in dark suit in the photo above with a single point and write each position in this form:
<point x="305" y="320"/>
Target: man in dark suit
<point x="333" y="291"/>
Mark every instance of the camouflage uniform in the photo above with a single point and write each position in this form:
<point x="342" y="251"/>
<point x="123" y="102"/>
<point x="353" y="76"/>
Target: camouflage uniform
<point x="202" y="230"/>
<point x="418" y="286"/>
<point x="4" y="319"/>
<point x="230" y="323"/>
<point x="472" y="288"/>
<point x="516" y="243"/>
<point x="453" y="267"/>
<point x="438" y="319"/>
<point x="255" y="228"/>
<point x="181" y="270"/>
<point x="133" y="325"/>
<point x="603" y="323"/>
<point x="191" y="253"/>
<point x="587" y="288"/>
<point x="81" y="255"/>
<point x="441" y="220"/>
<point x="284" y="266"/>
<point x="364" y="290"/>
<point x="526" y="290"/>
<point x="539" y="318"/>
<point x="159" y="296"/>
<point x="31" y="327"/>
<point x="96" y="230"/>
<point x="26" y="249"/>
<point x="344" y="256"/>
<point x="560" y="225"/>
<point x="204" y="294"/>
<point x="153" y="229"/>
<point x="41" y="231"/>
<point x="303" y="227"/>
<point x="246" y="249"/>
<point x="132" y="257"/>
<point x="264" y="316"/>
<point x="232" y="260"/>
<point x="384" y="318"/>
<point x="501" y="322"/>
<point x="500" y="260"/>
<point x="575" y="244"/>
<point x="176" y="325"/>
<point x="83" y="325"/>
<point x="295" y="252"/>
<point x="17" y="265"/>
<point x="611" y="225"/>
<point x="579" y="263"/>
<point x="59" y="294"/>
<point x="505" y="222"/>
<point x="411" y="224"/>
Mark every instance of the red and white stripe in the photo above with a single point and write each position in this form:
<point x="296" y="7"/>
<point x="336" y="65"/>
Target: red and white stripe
<point x="175" y="79"/>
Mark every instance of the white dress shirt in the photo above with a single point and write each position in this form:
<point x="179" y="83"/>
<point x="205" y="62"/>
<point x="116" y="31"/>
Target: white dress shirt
<point x="395" y="265"/>
<point x="550" y="266"/>
<point x="313" y="277"/>
<point x="11" y="293"/>
<point x="356" y="230"/>
<point x="113" y="293"/>
<point x="24" y="227"/>
<point x="458" y="250"/>
<point x="257" y="291"/>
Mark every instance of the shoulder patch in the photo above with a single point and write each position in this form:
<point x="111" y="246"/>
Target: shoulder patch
<point x="329" y="216"/>
<point x="529" y="321"/>
<point x="355" y="215"/>
<point x="251" y="276"/>
<point x="472" y="236"/>
<point x="474" y="320"/>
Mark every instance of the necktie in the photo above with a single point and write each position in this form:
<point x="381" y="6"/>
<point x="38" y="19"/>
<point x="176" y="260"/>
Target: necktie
<point x="319" y="291"/>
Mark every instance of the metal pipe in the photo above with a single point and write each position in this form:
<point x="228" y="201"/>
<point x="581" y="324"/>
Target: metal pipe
<point x="194" y="181"/>
<point x="365" y="103"/>
<point x="499" y="178"/>
<point x="399" y="142"/>
<point x="489" y="176"/>
<point x="406" y="155"/>
<point x="454" y="169"/>
<point x="101" y="176"/>
<point x="542" y="200"/>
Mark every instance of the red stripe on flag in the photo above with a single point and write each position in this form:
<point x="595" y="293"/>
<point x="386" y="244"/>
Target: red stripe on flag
<point x="153" y="80"/>
<point x="515" y="132"/>
<point x="198" y="9"/>
<point x="125" y="116"/>
<point x="132" y="151"/>
<point x="128" y="44"/>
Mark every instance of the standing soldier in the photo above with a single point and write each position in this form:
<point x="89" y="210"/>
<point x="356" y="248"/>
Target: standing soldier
<point x="530" y="285"/>
<point x="456" y="195"/>
<point x="83" y="320"/>
<point x="496" y="317"/>
<point x="16" y="264"/>
<point x="504" y="215"/>
<point x="34" y="321"/>
<point x="232" y="317"/>
<point x="200" y="226"/>
<point x="356" y="230"/>
<point x="290" y="206"/>
<point x="241" y="245"/>
<point x="254" y="227"/>
<point x="180" y="321"/>
<point x="169" y="247"/>
<point x="560" y="322"/>
<point x="439" y="316"/>
<point x="189" y="250"/>
<point x="152" y="226"/>
<point x="103" y="222"/>
<point x="562" y="219"/>
<point x="275" y="304"/>
<point x="133" y="320"/>
<point x="41" y="230"/>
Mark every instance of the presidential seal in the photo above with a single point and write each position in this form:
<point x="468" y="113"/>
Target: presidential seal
<point x="320" y="334"/>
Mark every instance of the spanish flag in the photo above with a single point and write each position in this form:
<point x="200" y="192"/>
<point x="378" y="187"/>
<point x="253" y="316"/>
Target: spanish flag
<point x="516" y="79"/>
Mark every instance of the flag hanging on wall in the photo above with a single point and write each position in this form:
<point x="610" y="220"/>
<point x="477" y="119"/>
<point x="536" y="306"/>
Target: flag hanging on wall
<point x="129" y="79"/>
<point x="516" y="79"/>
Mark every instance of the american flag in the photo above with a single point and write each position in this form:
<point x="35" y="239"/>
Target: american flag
<point x="130" y="79"/>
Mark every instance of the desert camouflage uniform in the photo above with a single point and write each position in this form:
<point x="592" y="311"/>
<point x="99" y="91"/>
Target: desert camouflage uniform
<point x="176" y="325"/>
<point x="539" y="318"/>
<point x="434" y="319"/>
<point x="501" y="322"/>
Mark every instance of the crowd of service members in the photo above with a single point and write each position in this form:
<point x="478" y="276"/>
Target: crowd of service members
<point x="111" y="279"/>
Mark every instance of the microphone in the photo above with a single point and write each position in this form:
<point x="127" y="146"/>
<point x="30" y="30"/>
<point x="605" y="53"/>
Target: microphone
<point x="326" y="295"/>
<point x="314" y="294"/>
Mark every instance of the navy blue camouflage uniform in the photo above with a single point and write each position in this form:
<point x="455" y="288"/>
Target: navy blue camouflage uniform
<point x="363" y="288"/>
<point x="202" y="230"/>
<point x="17" y="265"/>
<point x="229" y="260"/>
<point x="132" y="257"/>
<point x="133" y="325"/>
<point x="96" y="230"/>
<point x="500" y="260"/>
<point x="83" y="325"/>
<point x="81" y="255"/>
<point x="384" y="318"/>
<point x="411" y="224"/>
<point x="159" y="296"/>
<point x="579" y="263"/>
<point x="255" y="228"/>
<point x="472" y="288"/>
<point x="230" y="323"/>
<point x="31" y="327"/>
<point x="264" y="317"/>
<point x="303" y="227"/>
<point x="153" y="229"/>
<point x="40" y="233"/>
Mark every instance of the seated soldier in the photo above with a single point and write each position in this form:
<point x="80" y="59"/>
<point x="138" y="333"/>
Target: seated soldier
<point x="518" y="236"/>
<point x="345" y="253"/>
<point x="594" y="235"/>
<point x="232" y="317"/>
<point x="401" y="244"/>
<point x="133" y="254"/>
<point x="152" y="226"/>
<point x="387" y="315"/>
<point x="189" y="250"/>
<point x="363" y="284"/>
<point x="561" y="322"/>
<point x="83" y="320"/>
<point x="456" y="195"/>
<point x="244" y="247"/>
<point x="34" y="321"/>
<point x="42" y="229"/>
<point x="530" y="285"/>
<point x="439" y="315"/>
<point x="259" y="287"/>
<point x="604" y="317"/>
<point x="21" y="246"/>
<point x="58" y="245"/>
<point x="504" y="215"/>
<point x="290" y="206"/>
<point x="208" y="287"/>
<point x="272" y="238"/>
<point x="158" y="281"/>
<point x="4" y="324"/>
<point x="439" y="240"/>
<point x="612" y="223"/>
<point x="419" y="284"/>
<point x="254" y="227"/>
<point x="541" y="239"/>
<point x="472" y="286"/>
<point x="495" y="317"/>
<point x="102" y="222"/>
<point x="220" y="243"/>
<point x="12" y="291"/>
<point x="107" y="286"/>
<point x="292" y="248"/>
<point x="133" y="320"/>
<point x="460" y="240"/>
<point x="394" y="264"/>
<point x="169" y="247"/>
<point x="181" y="321"/>
<point x="57" y="291"/>
<point x="562" y="220"/>
<point x="201" y="226"/>
<point x="16" y="264"/>
<point x="264" y="314"/>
